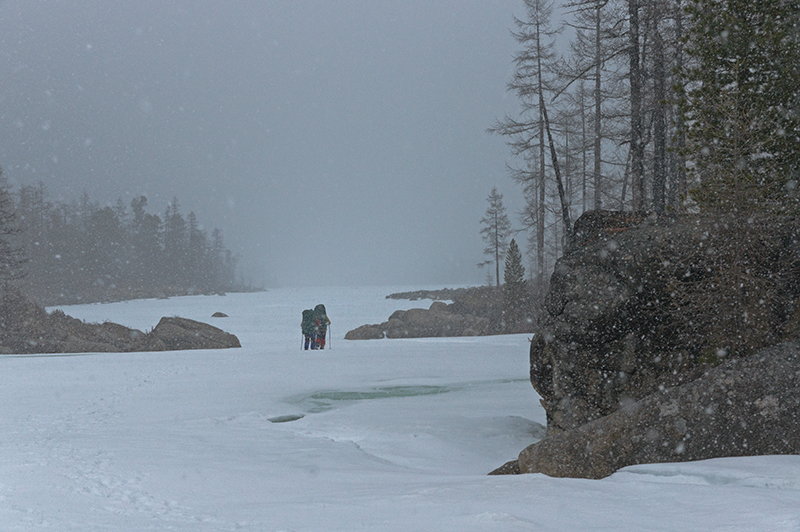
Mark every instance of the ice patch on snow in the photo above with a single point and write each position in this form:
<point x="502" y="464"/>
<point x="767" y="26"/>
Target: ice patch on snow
<point x="721" y="472"/>
<point x="323" y="401"/>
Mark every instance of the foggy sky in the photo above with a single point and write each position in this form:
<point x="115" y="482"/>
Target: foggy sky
<point x="335" y="142"/>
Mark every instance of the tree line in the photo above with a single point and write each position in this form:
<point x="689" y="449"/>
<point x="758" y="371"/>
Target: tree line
<point x="658" y="105"/>
<point x="79" y="251"/>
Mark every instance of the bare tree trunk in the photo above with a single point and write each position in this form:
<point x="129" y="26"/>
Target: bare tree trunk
<point x="598" y="161"/>
<point x="584" y="144"/>
<point x="497" y="247"/>
<point x="659" y="122"/>
<point x="637" y="147"/>
<point x="540" y="211"/>
<point x="540" y="244"/>
<point x="565" y="215"/>
<point x="681" y="174"/>
<point x="568" y="180"/>
<point x="625" y="177"/>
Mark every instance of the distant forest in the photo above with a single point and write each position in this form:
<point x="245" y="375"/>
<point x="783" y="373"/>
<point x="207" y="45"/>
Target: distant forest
<point x="82" y="252"/>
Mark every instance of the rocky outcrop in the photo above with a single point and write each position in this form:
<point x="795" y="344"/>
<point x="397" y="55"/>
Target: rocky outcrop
<point x="27" y="328"/>
<point x="639" y="304"/>
<point x="744" y="407"/>
<point x="444" y="294"/>
<point x="437" y="321"/>
<point x="668" y="340"/>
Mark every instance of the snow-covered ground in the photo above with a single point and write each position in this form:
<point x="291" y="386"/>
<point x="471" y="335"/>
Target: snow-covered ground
<point x="394" y="435"/>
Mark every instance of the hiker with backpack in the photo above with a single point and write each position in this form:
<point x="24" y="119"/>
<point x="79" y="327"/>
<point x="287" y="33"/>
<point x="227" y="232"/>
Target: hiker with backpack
<point x="309" y="328"/>
<point x="321" y="322"/>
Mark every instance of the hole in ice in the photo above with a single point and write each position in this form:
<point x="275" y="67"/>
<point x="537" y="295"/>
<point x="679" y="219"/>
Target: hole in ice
<point x="287" y="418"/>
<point x="326" y="400"/>
<point x="322" y="401"/>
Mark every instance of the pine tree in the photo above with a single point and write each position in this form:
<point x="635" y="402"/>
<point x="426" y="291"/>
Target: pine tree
<point x="496" y="230"/>
<point x="79" y="251"/>
<point x="741" y="102"/>
<point x="176" y="243"/>
<point x="11" y="253"/>
<point x="515" y="287"/>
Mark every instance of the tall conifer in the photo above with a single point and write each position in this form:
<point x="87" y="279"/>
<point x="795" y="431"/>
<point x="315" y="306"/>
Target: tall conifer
<point x="11" y="254"/>
<point x="741" y="102"/>
<point x="496" y="230"/>
<point x="515" y="287"/>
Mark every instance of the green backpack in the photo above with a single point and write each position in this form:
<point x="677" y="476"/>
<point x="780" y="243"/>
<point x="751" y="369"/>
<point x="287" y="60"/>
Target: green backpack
<point x="308" y="324"/>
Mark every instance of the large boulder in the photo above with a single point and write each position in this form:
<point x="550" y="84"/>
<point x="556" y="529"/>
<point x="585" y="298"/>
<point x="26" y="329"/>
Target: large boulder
<point x="182" y="333"/>
<point x="436" y="321"/>
<point x="638" y="304"/>
<point x="744" y="407"/>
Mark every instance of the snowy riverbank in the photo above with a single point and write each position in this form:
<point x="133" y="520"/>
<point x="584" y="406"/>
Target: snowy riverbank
<point x="394" y="435"/>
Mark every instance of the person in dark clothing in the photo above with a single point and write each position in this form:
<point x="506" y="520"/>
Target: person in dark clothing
<point x="321" y="321"/>
<point x="309" y="329"/>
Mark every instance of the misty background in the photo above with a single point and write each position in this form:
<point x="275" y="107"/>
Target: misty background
<point x="334" y="143"/>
